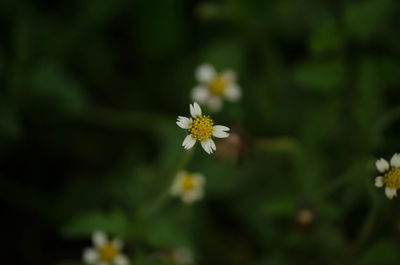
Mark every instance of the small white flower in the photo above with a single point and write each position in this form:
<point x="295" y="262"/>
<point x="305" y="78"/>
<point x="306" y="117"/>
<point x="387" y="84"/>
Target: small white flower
<point x="189" y="186"/>
<point x="200" y="127"/>
<point x="390" y="175"/>
<point x="214" y="87"/>
<point x="105" y="252"/>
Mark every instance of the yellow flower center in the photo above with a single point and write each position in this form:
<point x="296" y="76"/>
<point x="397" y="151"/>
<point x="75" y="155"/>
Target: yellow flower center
<point x="108" y="252"/>
<point x="188" y="183"/>
<point x="218" y="86"/>
<point x="201" y="128"/>
<point x="392" y="178"/>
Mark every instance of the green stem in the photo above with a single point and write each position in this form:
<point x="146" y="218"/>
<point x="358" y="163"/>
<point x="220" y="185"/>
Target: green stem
<point x="164" y="196"/>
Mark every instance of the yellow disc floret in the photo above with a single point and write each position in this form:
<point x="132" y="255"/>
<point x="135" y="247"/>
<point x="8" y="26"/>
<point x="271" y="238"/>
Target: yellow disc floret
<point x="201" y="128"/>
<point x="392" y="178"/>
<point x="188" y="183"/>
<point x="218" y="86"/>
<point x="108" y="252"/>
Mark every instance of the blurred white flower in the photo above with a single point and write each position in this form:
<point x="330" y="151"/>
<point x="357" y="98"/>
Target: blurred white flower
<point x="200" y="127"/>
<point x="390" y="175"/>
<point x="214" y="87"/>
<point x="189" y="186"/>
<point x="104" y="252"/>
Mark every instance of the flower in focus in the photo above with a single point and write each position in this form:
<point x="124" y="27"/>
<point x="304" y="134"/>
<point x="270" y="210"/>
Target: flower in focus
<point x="214" y="87"/>
<point x="202" y="128"/>
<point x="390" y="175"/>
<point x="104" y="252"/>
<point x="189" y="186"/>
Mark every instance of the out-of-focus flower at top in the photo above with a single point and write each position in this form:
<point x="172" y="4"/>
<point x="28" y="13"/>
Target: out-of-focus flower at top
<point x="214" y="88"/>
<point x="105" y="252"/>
<point x="202" y="128"/>
<point x="189" y="186"/>
<point x="390" y="175"/>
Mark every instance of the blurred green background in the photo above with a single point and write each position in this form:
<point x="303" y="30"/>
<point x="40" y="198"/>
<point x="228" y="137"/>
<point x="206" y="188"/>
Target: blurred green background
<point x="90" y="91"/>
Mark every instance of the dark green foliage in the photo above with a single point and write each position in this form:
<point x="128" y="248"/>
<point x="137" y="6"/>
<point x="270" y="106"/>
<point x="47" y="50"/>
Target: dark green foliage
<point x="90" y="91"/>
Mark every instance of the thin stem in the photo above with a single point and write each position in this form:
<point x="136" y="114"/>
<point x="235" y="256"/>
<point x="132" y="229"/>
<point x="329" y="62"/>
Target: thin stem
<point x="164" y="196"/>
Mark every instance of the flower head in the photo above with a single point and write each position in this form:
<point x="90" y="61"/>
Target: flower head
<point x="214" y="87"/>
<point x="189" y="186"/>
<point x="202" y="128"/>
<point x="104" y="252"/>
<point x="390" y="175"/>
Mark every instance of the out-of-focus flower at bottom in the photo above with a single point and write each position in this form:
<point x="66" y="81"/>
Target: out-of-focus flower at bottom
<point x="105" y="252"/>
<point x="189" y="186"/>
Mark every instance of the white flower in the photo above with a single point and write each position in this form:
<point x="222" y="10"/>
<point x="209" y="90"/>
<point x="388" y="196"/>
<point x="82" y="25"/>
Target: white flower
<point x="104" y="252"/>
<point x="189" y="186"/>
<point x="214" y="88"/>
<point x="390" y="175"/>
<point x="200" y="127"/>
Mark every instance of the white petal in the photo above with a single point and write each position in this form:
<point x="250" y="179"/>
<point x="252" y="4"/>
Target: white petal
<point x="200" y="94"/>
<point x="212" y="144"/>
<point x="390" y="193"/>
<point x="191" y="196"/>
<point x="229" y="75"/>
<point x="379" y="182"/>
<point x="233" y="92"/>
<point x="117" y="243"/>
<point x="214" y="103"/>
<point x="199" y="180"/>
<point x="382" y="165"/>
<point x="188" y="142"/>
<point x="183" y="122"/>
<point x="205" y="73"/>
<point x="197" y="109"/>
<point x="90" y="255"/>
<point x="208" y="146"/>
<point x="220" y="131"/>
<point x="121" y="259"/>
<point x="99" y="238"/>
<point x="395" y="161"/>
